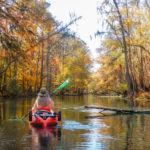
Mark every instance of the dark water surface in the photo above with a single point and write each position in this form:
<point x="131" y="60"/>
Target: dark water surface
<point x="77" y="131"/>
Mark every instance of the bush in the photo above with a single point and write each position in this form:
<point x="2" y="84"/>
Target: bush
<point x="144" y="95"/>
<point x="122" y="88"/>
<point x="13" y="88"/>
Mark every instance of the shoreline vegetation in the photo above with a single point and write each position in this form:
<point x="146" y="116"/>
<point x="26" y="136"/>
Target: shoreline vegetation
<point x="140" y="98"/>
<point x="36" y="51"/>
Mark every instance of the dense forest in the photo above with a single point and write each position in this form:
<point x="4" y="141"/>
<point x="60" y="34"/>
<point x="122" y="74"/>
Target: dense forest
<point x="124" y="52"/>
<point x="36" y="50"/>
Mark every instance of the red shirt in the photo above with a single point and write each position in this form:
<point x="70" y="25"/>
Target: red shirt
<point x="47" y="108"/>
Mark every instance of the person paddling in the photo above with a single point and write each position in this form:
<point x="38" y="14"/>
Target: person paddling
<point x="43" y="101"/>
<point x="41" y="114"/>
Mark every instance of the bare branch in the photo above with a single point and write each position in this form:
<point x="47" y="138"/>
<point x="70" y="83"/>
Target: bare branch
<point x="136" y="45"/>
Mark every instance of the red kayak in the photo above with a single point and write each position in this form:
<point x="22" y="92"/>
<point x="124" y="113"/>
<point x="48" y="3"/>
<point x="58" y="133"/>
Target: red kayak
<point x="44" y="118"/>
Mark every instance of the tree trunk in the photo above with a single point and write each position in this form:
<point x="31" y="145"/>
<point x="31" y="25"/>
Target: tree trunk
<point x="37" y="66"/>
<point x="127" y="75"/>
<point x="5" y="76"/>
<point x="131" y="58"/>
<point x="141" y="75"/>
<point x="48" y="66"/>
<point x="42" y="58"/>
<point x="132" y="71"/>
<point x="0" y="82"/>
<point x="23" y="82"/>
<point x="15" y="71"/>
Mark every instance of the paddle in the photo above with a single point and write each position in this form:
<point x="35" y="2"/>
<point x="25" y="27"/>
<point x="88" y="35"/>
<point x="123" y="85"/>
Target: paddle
<point x="60" y="87"/>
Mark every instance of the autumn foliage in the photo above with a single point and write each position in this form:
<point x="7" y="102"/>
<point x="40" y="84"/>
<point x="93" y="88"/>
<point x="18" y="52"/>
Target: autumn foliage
<point x="33" y="50"/>
<point x="124" y="53"/>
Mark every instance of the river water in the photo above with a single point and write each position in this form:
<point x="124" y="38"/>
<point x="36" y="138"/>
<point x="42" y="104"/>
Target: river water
<point x="79" y="129"/>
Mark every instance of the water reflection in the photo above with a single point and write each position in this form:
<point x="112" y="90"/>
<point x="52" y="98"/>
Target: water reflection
<point x="42" y="138"/>
<point x="73" y="125"/>
<point x="76" y="131"/>
<point x="15" y="108"/>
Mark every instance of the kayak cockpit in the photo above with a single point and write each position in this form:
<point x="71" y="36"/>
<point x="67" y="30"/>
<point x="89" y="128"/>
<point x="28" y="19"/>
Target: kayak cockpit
<point x="44" y="118"/>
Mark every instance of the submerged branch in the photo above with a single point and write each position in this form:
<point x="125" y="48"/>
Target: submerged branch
<point x="119" y="111"/>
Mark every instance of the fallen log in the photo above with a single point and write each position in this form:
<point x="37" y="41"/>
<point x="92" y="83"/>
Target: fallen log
<point x="119" y="111"/>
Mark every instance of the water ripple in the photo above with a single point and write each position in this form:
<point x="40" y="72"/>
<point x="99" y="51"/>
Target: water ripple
<point x="74" y="125"/>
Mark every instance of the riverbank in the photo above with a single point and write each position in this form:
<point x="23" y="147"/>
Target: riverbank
<point x="139" y="97"/>
<point x="145" y="96"/>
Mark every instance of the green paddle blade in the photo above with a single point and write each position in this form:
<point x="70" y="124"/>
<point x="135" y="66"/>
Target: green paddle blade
<point x="62" y="86"/>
